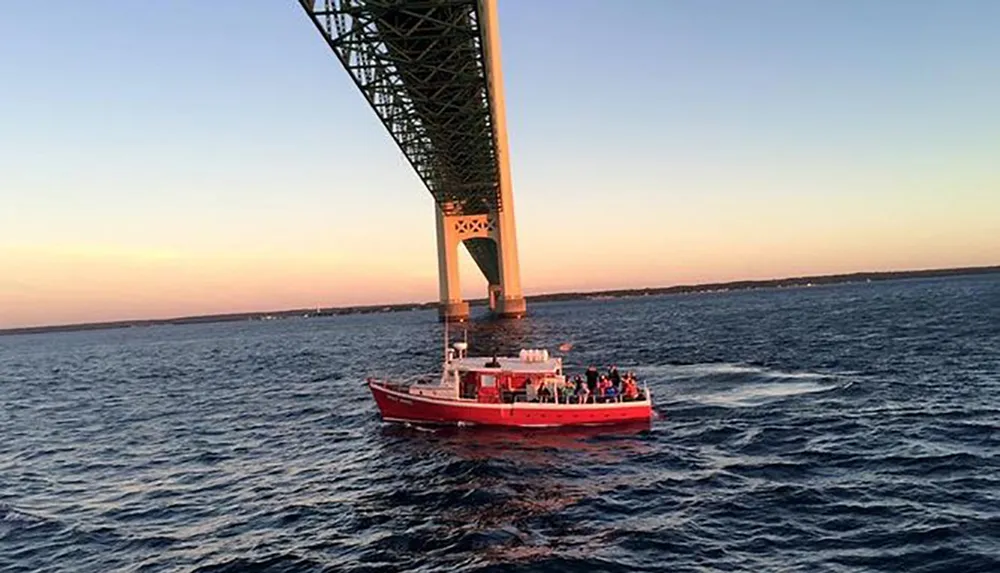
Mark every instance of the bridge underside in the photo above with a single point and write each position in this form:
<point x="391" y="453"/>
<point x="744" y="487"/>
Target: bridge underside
<point x="424" y="67"/>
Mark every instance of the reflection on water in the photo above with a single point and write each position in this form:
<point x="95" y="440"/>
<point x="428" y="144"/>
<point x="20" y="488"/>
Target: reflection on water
<point x="523" y="445"/>
<point x="501" y="491"/>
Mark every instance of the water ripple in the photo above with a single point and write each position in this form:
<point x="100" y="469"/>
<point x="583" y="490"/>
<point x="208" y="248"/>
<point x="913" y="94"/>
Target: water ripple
<point x="842" y="428"/>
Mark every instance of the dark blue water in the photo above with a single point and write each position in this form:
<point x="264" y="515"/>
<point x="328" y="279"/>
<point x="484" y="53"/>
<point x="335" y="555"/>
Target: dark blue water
<point x="841" y="428"/>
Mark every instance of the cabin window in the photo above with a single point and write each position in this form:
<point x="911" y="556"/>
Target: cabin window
<point x="469" y="389"/>
<point x="488" y="381"/>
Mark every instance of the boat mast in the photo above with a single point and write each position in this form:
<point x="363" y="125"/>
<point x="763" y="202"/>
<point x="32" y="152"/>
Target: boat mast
<point x="446" y="338"/>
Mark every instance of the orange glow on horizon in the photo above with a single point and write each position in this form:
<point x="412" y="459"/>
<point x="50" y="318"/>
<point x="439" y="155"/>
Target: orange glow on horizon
<point x="97" y="284"/>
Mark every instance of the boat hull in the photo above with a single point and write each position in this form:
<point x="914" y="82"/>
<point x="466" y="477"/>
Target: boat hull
<point x="397" y="405"/>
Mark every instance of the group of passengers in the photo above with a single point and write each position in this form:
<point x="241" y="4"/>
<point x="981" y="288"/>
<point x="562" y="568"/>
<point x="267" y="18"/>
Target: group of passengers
<point x="594" y="387"/>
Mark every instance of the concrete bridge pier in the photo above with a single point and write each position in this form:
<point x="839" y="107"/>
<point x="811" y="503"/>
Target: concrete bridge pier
<point x="502" y="271"/>
<point x="506" y="297"/>
<point x="501" y="266"/>
<point x="495" y="293"/>
<point x="452" y="307"/>
<point x="509" y="301"/>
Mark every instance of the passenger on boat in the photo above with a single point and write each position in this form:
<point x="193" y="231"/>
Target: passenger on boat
<point x="611" y="394"/>
<point x="592" y="379"/>
<point x="581" y="390"/>
<point x="631" y="390"/>
<point x="615" y="377"/>
<point x="544" y="393"/>
<point x="530" y="390"/>
<point x="565" y="390"/>
<point x="603" y="386"/>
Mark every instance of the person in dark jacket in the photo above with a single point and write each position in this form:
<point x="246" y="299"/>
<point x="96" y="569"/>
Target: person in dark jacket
<point x="592" y="380"/>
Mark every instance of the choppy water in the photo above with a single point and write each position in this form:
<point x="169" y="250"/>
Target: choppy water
<point x="842" y="428"/>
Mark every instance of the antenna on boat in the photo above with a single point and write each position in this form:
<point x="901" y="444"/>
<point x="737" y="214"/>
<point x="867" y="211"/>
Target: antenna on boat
<point x="445" y="337"/>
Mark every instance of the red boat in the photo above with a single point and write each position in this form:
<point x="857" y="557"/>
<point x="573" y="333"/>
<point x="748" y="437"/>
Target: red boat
<point x="529" y="390"/>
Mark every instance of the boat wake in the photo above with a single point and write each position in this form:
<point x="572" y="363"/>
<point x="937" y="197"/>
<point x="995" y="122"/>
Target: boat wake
<point x="757" y="394"/>
<point x="736" y="385"/>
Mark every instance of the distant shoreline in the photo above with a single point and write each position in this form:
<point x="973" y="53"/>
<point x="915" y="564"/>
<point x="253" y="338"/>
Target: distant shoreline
<point x="565" y="296"/>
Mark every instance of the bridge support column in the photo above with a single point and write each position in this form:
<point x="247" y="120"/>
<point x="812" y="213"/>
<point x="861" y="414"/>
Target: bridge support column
<point x="506" y="298"/>
<point x="510" y="303"/>
<point x="452" y="307"/>
<point x="495" y="293"/>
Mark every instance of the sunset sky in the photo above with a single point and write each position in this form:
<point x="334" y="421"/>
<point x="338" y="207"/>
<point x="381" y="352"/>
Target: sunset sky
<point x="193" y="157"/>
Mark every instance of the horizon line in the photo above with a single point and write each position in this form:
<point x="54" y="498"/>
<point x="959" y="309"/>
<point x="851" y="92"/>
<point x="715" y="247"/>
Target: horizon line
<point x="541" y="297"/>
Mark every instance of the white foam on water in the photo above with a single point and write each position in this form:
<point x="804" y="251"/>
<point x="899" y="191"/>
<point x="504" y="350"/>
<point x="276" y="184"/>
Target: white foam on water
<point x="720" y="368"/>
<point x="756" y="394"/>
<point x="734" y="385"/>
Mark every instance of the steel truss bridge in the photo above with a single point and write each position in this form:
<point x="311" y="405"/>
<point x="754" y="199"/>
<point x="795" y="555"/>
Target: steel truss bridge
<point x="431" y="72"/>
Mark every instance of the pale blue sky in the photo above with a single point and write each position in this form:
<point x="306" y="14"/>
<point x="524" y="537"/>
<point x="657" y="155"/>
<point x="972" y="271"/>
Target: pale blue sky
<point x="718" y="140"/>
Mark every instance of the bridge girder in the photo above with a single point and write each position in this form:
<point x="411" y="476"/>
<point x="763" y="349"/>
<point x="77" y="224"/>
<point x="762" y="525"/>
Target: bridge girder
<point x="419" y="63"/>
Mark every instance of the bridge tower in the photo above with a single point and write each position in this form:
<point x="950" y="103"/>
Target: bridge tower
<point x="431" y="71"/>
<point x="506" y="299"/>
